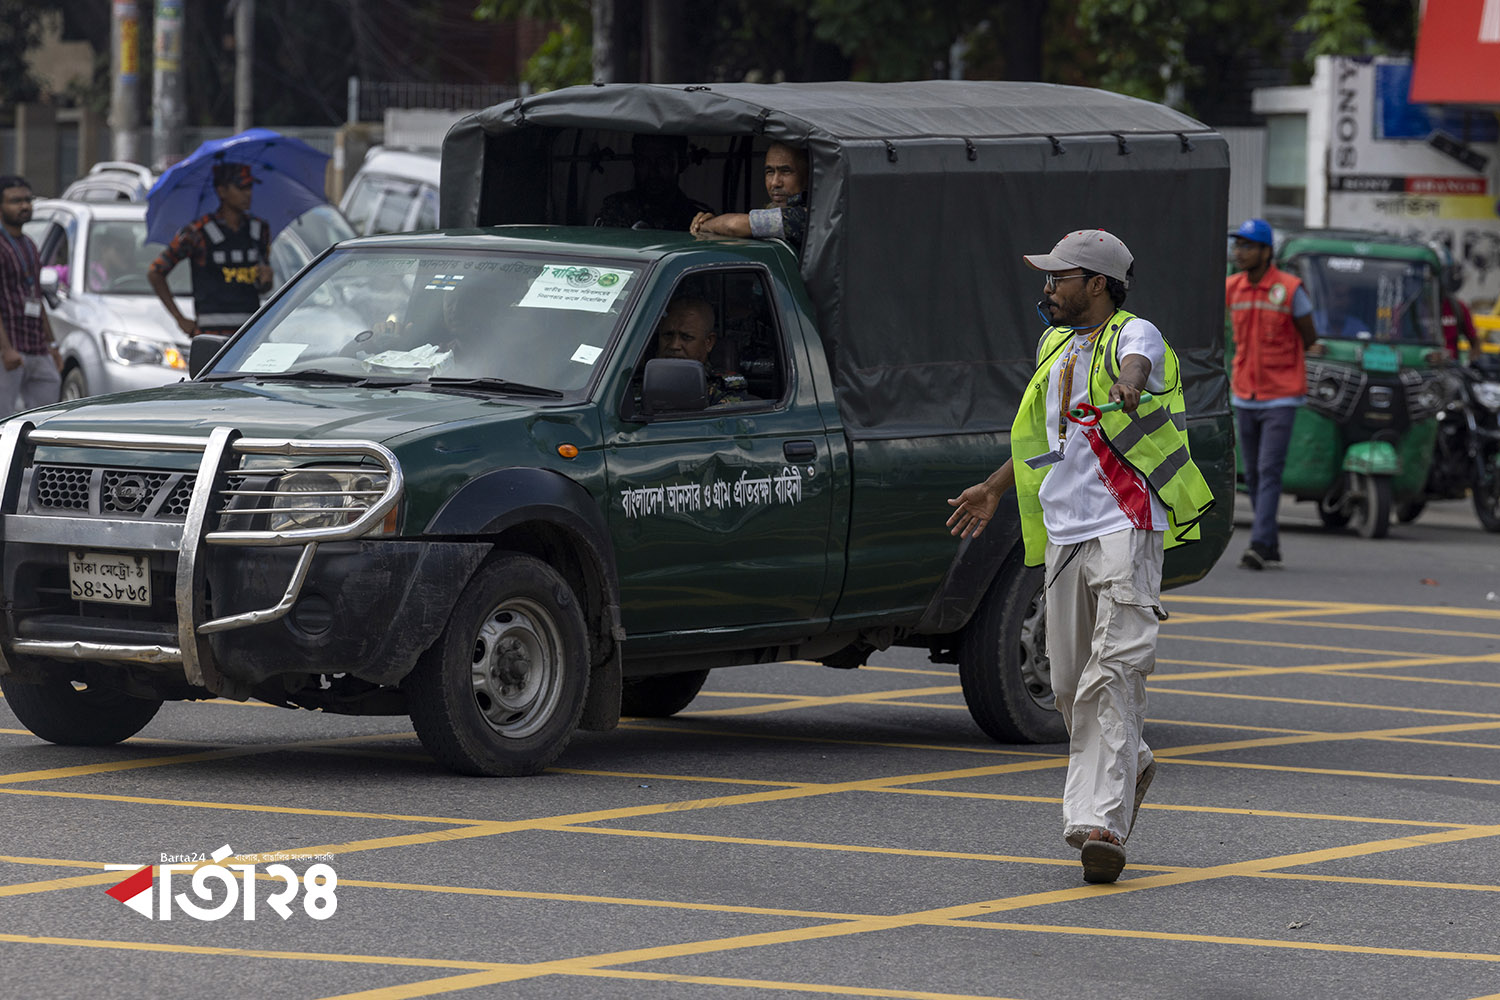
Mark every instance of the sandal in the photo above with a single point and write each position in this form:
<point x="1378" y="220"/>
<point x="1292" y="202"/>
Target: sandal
<point x="1102" y="860"/>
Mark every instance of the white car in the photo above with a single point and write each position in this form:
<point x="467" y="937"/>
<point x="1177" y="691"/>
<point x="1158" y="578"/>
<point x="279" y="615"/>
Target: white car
<point x="395" y="191"/>
<point x="111" y="328"/>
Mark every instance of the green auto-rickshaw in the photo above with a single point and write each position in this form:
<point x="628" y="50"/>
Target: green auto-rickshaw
<point x="1364" y="440"/>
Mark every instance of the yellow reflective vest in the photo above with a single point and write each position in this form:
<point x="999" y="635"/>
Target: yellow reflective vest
<point x="1152" y="440"/>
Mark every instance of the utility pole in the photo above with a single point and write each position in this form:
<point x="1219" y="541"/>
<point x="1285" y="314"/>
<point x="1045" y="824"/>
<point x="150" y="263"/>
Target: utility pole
<point x="166" y="80"/>
<point x="125" y="74"/>
<point x="244" y="57"/>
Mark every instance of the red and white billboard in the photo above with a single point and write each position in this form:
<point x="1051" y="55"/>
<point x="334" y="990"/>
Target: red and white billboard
<point x="1458" y="53"/>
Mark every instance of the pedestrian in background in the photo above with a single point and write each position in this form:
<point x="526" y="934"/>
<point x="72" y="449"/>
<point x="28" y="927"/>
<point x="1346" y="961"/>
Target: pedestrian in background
<point x="29" y="362"/>
<point x="1098" y="505"/>
<point x="1273" y="332"/>
<point x="230" y="250"/>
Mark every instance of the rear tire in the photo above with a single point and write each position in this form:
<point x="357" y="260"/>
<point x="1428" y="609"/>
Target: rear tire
<point x="1486" y="492"/>
<point x="501" y="691"/>
<point x="1003" y="665"/>
<point x="60" y="713"/>
<point x="662" y="695"/>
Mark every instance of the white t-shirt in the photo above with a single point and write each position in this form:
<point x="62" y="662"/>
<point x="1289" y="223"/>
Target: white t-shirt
<point x="1091" y="492"/>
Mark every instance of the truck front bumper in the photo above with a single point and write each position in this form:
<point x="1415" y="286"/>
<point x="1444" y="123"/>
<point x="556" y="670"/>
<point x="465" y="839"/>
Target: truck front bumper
<point x="233" y="601"/>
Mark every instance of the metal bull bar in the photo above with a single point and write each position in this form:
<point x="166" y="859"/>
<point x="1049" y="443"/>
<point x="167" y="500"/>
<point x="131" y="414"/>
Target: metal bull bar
<point x="221" y="452"/>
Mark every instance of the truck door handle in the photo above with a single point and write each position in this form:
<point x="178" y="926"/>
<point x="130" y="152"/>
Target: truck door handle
<point x="799" y="451"/>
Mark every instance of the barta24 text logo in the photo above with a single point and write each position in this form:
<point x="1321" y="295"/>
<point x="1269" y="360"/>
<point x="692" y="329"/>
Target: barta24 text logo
<point x="236" y="882"/>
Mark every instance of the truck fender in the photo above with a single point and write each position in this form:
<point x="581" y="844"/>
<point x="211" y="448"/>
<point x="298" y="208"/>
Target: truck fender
<point x="972" y="570"/>
<point x="490" y="504"/>
<point x="1375" y="458"/>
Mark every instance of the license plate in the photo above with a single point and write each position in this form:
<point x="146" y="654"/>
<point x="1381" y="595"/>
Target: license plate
<point x="110" y="578"/>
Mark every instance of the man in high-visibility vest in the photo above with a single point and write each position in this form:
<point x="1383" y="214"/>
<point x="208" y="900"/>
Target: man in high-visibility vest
<point x="1098" y="505"/>
<point x="1273" y="328"/>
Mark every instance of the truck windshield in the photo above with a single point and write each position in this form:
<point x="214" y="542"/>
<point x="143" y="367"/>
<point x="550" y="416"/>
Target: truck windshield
<point x="1369" y="298"/>
<point x="385" y="312"/>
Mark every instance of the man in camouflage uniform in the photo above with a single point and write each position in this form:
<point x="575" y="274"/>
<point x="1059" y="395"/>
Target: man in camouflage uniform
<point x="785" y="214"/>
<point x="687" y="330"/>
<point x="656" y="202"/>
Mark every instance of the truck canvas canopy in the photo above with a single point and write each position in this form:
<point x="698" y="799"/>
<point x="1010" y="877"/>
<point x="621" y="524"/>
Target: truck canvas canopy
<point x="923" y="198"/>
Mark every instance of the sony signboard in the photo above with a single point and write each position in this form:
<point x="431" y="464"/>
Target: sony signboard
<point x="1422" y="171"/>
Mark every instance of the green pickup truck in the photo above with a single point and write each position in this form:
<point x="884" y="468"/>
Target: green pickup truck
<point x="446" y="474"/>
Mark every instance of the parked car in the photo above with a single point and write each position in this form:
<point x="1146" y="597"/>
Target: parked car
<point x="112" y="180"/>
<point x="111" y="329"/>
<point x="395" y="191"/>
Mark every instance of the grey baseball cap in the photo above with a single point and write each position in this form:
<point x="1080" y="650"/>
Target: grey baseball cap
<point x="1091" y="249"/>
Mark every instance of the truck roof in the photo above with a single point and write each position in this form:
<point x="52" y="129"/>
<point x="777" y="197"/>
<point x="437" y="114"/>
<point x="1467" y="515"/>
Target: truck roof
<point x="642" y="244"/>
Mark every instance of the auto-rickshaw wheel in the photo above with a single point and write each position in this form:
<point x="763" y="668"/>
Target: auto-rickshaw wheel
<point x="1370" y="504"/>
<point x="1409" y="511"/>
<point x="1334" y="510"/>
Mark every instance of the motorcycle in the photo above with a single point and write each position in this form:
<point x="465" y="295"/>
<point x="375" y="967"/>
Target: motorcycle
<point x="1466" y="455"/>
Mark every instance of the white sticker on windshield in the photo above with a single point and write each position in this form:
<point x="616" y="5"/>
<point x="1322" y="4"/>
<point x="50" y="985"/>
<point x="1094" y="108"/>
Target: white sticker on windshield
<point x="575" y="286"/>
<point x="1349" y="265"/>
<point x="587" y="353"/>
<point x="272" y="357"/>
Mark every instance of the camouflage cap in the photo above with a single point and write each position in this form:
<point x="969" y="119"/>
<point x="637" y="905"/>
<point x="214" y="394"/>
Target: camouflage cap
<point x="233" y="174"/>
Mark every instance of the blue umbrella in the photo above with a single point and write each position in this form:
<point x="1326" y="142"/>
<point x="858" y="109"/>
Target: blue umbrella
<point x="290" y="173"/>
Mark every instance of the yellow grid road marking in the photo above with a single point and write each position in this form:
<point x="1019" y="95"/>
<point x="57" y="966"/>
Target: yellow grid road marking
<point x="1328" y="668"/>
<point x="1321" y="703"/>
<point x="821" y="701"/>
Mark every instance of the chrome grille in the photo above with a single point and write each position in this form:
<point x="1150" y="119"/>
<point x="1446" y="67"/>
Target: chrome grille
<point x="144" y="494"/>
<point x="125" y="492"/>
<point x="63" y="487"/>
<point x="176" y="504"/>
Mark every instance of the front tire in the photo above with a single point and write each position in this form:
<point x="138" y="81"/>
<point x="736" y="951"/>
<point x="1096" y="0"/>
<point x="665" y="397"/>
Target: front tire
<point x="74" y="385"/>
<point x="501" y="691"/>
<point x="71" y="716"/>
<point x="662" y="695"/>
<point x="1487" y="491"/>
<point x="1371" y="505"/>
<point x="1003" y="665"/>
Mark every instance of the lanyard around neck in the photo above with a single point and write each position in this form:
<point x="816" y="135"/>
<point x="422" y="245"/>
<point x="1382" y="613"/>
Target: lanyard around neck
<point x="1065" y="378"/>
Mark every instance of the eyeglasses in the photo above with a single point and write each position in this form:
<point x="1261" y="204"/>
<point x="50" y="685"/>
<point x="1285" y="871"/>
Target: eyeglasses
<point x="1053" y="280"/>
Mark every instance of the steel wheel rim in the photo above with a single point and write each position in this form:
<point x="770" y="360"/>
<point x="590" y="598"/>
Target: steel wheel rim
<point x="516" y="667"/>
<point x="1036" y="668"/>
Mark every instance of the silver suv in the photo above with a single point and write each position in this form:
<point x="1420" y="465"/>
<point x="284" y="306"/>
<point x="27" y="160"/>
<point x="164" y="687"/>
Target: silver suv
<point x="110" y="327"/>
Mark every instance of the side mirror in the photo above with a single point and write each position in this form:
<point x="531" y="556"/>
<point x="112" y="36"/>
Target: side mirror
<point x="49" y="283"/>
<point x="675" y="385"/>
<point x="202" y="350"/>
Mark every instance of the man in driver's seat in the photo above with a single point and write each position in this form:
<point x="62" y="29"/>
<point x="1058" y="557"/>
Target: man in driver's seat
<point x="687" y="330"/>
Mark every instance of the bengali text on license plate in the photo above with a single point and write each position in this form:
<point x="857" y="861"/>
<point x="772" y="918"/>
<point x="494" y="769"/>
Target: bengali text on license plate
<point x="110" y="578"/>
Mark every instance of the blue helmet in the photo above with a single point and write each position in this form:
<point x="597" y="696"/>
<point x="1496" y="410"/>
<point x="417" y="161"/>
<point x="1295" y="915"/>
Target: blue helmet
<point x="1255" y="230"/>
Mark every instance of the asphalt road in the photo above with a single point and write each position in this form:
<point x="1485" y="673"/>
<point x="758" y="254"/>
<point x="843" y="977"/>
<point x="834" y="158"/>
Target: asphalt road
<point x="1325" y="824"/>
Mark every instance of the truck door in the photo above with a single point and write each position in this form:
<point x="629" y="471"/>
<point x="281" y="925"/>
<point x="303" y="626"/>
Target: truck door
<point x="720" y="517"/>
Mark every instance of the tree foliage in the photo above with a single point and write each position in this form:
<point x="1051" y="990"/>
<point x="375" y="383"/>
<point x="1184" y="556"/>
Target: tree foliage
<point x="20" y="31"/>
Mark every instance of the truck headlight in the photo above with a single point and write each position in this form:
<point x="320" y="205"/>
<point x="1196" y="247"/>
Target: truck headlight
<point x="1487" y="395"/>
<point x="128" y="349"/>
<point x="327" y="499"/>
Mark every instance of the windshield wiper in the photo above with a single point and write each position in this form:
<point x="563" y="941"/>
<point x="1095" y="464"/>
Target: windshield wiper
<point x="494" y="385"/>
<point x="310" y="375"/>
<point x="301" y="375"/>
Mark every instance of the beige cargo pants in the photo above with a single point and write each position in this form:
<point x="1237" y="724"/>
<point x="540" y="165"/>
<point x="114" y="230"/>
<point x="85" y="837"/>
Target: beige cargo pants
<point x="1102" y="601"/>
